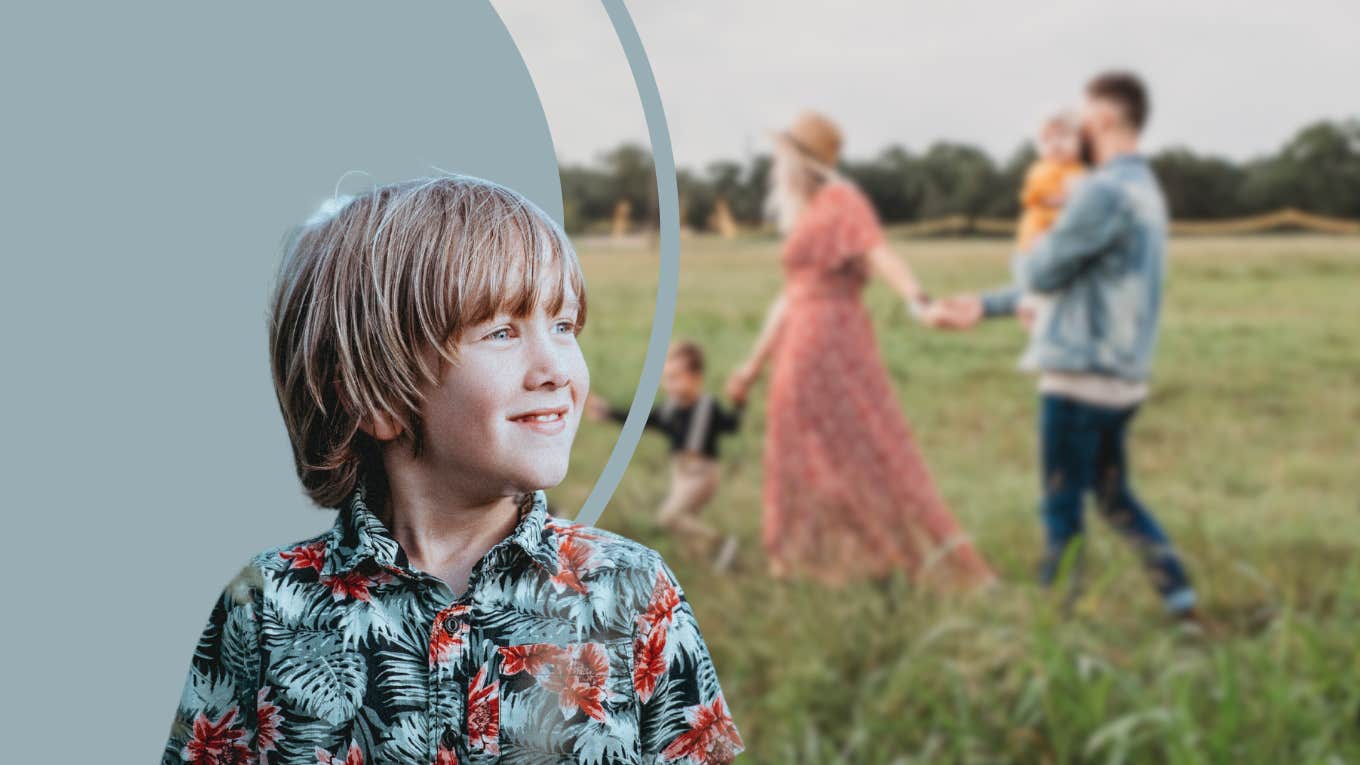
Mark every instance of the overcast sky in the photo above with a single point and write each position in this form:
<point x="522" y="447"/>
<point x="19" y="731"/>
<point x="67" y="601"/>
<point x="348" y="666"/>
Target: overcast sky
<point x="1235" y="78"/>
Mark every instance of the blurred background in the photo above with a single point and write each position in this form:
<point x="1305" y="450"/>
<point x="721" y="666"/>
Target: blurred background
<point x="1252" y="109"/>
<point x="1247" y="448"/>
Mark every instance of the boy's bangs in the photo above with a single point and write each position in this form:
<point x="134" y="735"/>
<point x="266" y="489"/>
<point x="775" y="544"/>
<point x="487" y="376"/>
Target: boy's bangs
<point x="523" y="265"/>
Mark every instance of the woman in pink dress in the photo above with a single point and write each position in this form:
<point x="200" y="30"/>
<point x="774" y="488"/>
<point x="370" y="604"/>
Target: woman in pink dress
<point x="847" y="494"/>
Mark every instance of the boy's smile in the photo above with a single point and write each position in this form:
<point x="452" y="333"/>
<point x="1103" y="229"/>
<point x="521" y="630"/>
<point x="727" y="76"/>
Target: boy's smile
<point x="546" y="421"/>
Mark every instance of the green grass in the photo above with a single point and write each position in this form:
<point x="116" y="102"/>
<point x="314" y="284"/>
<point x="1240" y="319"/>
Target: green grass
<point x="1248" y="451"/>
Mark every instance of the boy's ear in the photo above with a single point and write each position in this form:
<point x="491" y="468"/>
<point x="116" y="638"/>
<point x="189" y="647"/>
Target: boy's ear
<point x="380" y="427"/>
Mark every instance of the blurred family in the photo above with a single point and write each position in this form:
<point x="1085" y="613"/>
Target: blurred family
<point x="847" y="494"/>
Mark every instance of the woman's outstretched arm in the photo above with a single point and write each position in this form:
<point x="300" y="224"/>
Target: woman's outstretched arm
<point x="897" y="274"/>
<point x="769" y="334"/>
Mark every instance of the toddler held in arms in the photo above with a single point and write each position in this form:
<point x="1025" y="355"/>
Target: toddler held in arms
<point x="1045" y="189"/>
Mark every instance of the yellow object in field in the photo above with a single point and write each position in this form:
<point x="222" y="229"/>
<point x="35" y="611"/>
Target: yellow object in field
<point x="623" y="213"/>
<point x="722" y="220"/>
<point x="1286" y="218"/>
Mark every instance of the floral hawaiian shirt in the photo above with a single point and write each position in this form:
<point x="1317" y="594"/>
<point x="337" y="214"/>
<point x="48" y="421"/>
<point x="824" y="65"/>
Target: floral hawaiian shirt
<point x="571" y="645"/>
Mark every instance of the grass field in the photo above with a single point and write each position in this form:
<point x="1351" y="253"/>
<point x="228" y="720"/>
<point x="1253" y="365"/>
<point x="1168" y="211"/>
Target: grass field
<point x="1249" y="451"/>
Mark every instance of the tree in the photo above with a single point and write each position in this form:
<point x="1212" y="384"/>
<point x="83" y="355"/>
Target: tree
<point x="588" y="195"/>
<point x="958" y="180"/>
<point x="1199" y="187"/>
<point x="697" y="199"/>
<point x="1318" y="171"/>
<point x="892" y="181"/>
<point x="630" y="166"/>
<point x="1004" y="202"/>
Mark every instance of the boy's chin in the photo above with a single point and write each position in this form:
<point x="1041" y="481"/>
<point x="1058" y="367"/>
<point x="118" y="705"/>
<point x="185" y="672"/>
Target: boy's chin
<point x="540" y="477"/>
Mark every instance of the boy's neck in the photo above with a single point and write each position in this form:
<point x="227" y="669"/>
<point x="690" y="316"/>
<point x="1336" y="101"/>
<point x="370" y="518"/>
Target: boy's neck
<point x="441" y="527"/>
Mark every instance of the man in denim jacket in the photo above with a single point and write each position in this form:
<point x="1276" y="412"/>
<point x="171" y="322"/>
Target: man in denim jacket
<point x="1101" y="266"/>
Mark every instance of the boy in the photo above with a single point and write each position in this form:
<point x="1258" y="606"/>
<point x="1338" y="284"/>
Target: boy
<point x="423" y="341"/>
<point x="693" y="421"/>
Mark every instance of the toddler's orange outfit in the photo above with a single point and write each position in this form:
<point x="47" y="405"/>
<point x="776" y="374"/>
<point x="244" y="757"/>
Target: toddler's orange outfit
<point x="1045" y="179"/>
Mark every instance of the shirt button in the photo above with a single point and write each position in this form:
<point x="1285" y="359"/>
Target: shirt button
<point x="450" y="625"/>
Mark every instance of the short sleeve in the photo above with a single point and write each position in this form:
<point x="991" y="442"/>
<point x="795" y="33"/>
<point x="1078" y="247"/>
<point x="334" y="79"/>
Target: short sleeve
<point x="682" y="710"/>
<point x="858" y="229"/>
<point x="219" y="708"/>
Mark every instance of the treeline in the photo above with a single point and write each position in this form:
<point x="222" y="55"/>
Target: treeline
<point x="1318" y="170"/>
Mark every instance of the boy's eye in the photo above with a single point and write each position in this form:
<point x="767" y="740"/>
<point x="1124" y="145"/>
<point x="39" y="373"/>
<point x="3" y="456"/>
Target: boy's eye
<point x="499" y="334"/>
<point x="566" y="325"/>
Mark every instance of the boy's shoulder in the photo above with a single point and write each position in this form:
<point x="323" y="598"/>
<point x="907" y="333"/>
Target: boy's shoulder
<point x="607" y="547"/>
<point x="249" y="583"/>
<point x="601" y="560"/>
<point x="293" y="554"/>
<point x="595" y="549"/>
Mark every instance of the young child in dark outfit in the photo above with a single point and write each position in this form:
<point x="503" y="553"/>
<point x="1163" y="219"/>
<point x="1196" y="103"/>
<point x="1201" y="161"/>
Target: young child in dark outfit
<point x="692" y="421"/>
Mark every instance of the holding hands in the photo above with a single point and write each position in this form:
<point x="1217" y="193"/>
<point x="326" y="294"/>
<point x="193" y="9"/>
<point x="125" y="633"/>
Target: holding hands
<point x="957" y="312"/>
<point x="1026" y="313"/>
<point x="740" y="381"/>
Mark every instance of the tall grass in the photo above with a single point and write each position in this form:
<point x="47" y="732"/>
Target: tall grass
<point x="1248" y="451"/>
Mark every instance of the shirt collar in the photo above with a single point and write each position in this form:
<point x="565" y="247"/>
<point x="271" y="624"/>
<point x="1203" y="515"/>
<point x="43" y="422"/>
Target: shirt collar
<point x="1134" y="157"/>
<point x="359" y="535"/>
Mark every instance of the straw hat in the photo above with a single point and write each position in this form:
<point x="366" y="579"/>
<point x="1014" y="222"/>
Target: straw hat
<point x="816" y="136"/>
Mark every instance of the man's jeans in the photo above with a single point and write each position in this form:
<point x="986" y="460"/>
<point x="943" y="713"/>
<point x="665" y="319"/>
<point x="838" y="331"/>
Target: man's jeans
<point x="1083" y="448"/>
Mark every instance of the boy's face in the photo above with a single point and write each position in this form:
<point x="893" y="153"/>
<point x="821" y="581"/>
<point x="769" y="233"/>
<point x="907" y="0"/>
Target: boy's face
<point x="679" y="381"/>
<point x="506" y="413"/>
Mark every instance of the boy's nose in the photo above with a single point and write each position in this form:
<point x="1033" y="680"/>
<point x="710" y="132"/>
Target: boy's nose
<point x="548" y="366"/>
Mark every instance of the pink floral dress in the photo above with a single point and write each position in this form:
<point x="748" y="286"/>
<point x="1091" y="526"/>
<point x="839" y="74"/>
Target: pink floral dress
<point x="847" y="493"/>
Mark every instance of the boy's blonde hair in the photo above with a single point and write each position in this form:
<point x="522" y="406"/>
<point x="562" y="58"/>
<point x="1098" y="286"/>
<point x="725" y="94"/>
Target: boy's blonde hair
<point x="366" y="292"/>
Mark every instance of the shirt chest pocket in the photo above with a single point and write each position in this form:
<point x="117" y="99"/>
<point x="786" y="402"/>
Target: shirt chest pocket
<point x="569" y="702"/>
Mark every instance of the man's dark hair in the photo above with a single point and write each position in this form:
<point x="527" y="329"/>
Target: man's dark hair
<point x="1127" y="91"/>
<point x="689" y="352"/>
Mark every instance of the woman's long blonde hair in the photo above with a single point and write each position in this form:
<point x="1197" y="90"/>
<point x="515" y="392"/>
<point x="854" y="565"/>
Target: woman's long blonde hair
<point x="794" y="178"/>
